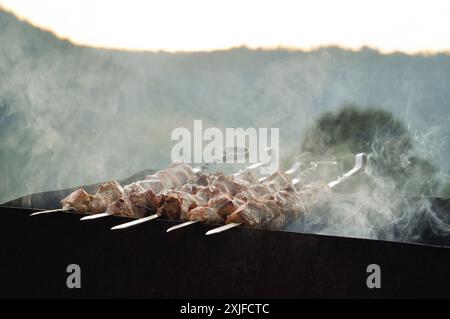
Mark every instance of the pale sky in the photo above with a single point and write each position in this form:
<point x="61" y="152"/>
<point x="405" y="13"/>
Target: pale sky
<point x="192" y="25"/>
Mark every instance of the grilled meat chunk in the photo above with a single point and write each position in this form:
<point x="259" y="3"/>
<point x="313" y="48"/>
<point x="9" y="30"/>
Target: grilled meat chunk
<point x="137" y="204"/>
<point x="230" y="185"/>
<point x="224" y="205"/>
<point x="176" y="204"/>
<point x="121" y="207"/>
<point x="176" y="175"/>
<point x="106" y="194"/>
<point x="278" y="180"/>
<point x="248" y="176"/>
<point x="205" y="215"/>
<point x="275" y="210"/>
<point x="79" y="200"/>
<point x="255" y="213"/>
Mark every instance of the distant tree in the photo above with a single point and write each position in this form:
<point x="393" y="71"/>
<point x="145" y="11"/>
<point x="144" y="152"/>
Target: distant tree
<point x="353" y="129"/>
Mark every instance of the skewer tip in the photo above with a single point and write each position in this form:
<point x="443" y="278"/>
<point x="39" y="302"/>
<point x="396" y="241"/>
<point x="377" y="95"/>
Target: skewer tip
<point x="117" y="227"/>
<point x="135" y="222"/>
<point x="95" y="216"/>
<point x="34" y="214"/>
<point x="58" y="210"/>
<point x="222" y="228"/>
<point x="182" y="225"/>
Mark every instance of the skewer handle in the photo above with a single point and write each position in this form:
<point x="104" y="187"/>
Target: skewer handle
<point x="294" y="168"/>
<point x="360" y="163"/>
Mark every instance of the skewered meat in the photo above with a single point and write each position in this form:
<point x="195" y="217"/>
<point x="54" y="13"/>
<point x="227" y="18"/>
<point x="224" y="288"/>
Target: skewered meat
<point x="248" y="176"/>
<point x="217" y="193"/>
<point x="106" y="194"/>
<point x="137" y="204"/>
<point x="154" y="185"/>
<point x="216" y="211"/>
<point x="176" y="204"/>
<point x="176" y="175"/>
<point x="200" y="179"/>
<point x="170" y="203"/>
<point x="275" y="182"/>
<point x="230" y="185"/>
<point x="144" y="203"/>
<point x="228" y="194"/>
<point x="168" y="179"/>
<point x="121" y="207"/>
<point x="275" y="210"/>
<point x="229" y="208"/>
<point x="178" y="165"/>
<point x="178" y="193"/>
<point x="191" y="188"/>
<point x="253" y="214"/>
<point x="152" y="200"/>
<point x="79" y="200"/>
<point x="278" y="180"/>
<point x="137" y="199"/>
<point x="206" y="215"/>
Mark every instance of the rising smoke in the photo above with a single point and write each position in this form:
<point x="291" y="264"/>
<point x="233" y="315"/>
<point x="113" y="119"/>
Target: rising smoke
<point x="392" y="200"/>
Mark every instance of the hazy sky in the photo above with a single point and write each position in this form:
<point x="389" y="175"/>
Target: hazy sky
<point x="406" y="25"/>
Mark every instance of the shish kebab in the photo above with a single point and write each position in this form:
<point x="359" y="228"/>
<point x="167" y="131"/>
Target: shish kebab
<point x="270" y="204"/>
<point x="199" y="185"/>
<point x="268" y="212"/>
<point x="192" y="200"/>
<point x="176" y="175"/>
<point x="224" y="208"/>
<point x="221" y="211"/>
<point x="139" y="198"/>
<point x="137" y="202"/>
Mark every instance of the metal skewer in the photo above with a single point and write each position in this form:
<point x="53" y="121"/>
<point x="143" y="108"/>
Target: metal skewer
<point x="52" y="211"/>
<point x="311" y="169"/>
<point x="197" y="169"/>
<point x="292" y="171"/>
<point x="135" y="222"/>
<point x="95" y="216"/>
<point x="294" y="168"/>
<point x="146" y="219"/>
<point x="190" y="222"/>
<point x="249" y="168"/>
<point x="360" y="162"/>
